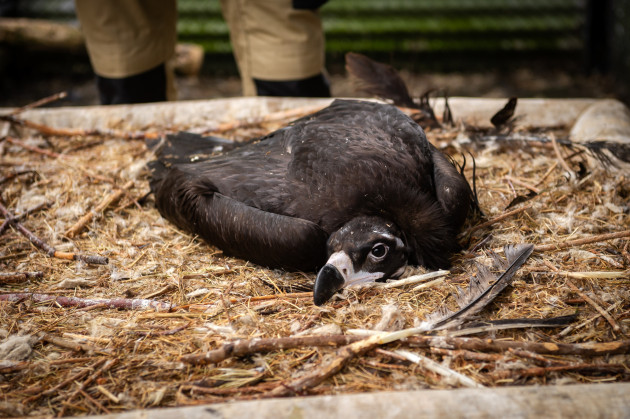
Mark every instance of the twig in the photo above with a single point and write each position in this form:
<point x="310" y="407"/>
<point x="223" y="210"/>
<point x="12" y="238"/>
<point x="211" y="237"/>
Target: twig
<point x="161" y="291"/>
<point x="547" y="173"/>
<point x="307" y="294"/>
<point x="120" y="303"/>
<point x="496" y="345"/>
<point x="62" y="132"/>
<point x="40" y="102"/>
<point x="163" y="332"/>
<point x="65" y="382"/>
<point x="571" y="328"/>
<point x="220" y="391"/>
<point x="23" y="365"/>
<point x="86" y="383"/>
<point x="248" y="347"/>
<point x="106" y="202"/>
<point x="272" y="117"/>
<point x="16" y="174"/>
<point x="541" y="371"/>
<point x="523" y="184"/>
<point x="94" y="401"/>
<point x="9" y="221"/>
<point x="596" y="306"/>
<point x="539" y="359"/>
<point x="433" y="366"/>
<point x="579" y="242"/>
<point x="468" y="355"/>
<point x="328" y="369"/>
<point x="414" y="279"/>
<point x="561" y="159"/>
<point x="74" y="346"/>
<point x="35" y="149"/>
<point x="6" y="277"/>
<point x="499" y="218"/>
<point x="51" y="251"/>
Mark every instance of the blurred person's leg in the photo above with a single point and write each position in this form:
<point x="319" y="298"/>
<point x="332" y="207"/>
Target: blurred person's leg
<point x="279" y="46"/>
<point x="130" y="43"/>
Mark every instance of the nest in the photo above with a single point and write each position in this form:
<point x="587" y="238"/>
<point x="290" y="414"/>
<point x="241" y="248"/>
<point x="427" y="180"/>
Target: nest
<point x="68" y="349"/>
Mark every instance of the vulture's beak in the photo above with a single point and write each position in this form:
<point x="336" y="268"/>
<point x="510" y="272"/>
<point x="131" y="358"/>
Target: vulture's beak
<point x="339" y="273"/>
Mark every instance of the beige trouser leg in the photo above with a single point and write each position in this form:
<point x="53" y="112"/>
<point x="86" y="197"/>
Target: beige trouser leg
<point x="128" y="37"/>
<point x="274" y="42"/>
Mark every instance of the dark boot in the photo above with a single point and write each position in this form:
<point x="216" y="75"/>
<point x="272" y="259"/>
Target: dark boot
<point x="149" y="86"/>
<point x="316" y="86"/>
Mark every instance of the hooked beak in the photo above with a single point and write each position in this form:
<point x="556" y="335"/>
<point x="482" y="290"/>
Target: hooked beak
<point x="338" y="273"/>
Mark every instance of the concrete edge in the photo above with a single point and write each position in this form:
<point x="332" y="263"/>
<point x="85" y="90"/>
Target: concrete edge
<point x="574" y="401"/>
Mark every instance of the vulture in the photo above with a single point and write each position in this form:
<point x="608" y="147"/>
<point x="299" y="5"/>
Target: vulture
<point x="354" y="192"/>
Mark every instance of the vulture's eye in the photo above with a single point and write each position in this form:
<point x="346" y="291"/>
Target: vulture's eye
<point x="379" y="251"/>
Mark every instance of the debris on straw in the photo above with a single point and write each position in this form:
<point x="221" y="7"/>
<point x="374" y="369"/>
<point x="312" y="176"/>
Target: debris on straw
<point x="170" y="320"/>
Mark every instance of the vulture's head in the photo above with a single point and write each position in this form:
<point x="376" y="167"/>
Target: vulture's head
<point x="365" y="249"/>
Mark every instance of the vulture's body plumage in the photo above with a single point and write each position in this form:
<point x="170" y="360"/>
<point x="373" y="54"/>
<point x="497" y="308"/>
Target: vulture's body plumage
<point x="356" y="184"/>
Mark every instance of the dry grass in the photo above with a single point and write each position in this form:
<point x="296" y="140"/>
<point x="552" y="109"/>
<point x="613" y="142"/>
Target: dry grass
<point x="216" y="297"/>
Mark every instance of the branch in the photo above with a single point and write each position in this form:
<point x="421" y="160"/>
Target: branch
<point x="596" y="306"/>
<point x="40" y="102"/>
<point x="252" y="346"/>
<point x="62" y="132"/>
<point x="106" y="202"/>
<point x="496" y="345"/>
<point x="51" y="251"/>
<point x="35" y="149"/>
<point x="579" y="242"/>
<point x="120" y="303"/>
<point x="7" y="277"/>
<point x="272" y="117"/>
<point x="499" y="218"/>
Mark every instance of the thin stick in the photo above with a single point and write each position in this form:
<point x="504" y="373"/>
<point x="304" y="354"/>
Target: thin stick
<point x="496" y="345"/>
<point x="596" y="306"/>
<point x="16" y="174"/>
<point x="523" y="184"/>
<point x="431" y="365"/>
<point x="86" y="383"/>
<point x="327" y="370"/>
<point x="579" y="242"/>
<point x="563" y="162"/>
<point x="571" y="328"/>
<point x="499" y="218"/>
<point x="307" y="294"/>
<point x="119" y="303"/>
<point x="51" y="251"/>
<point x="72" y="345"/>
<point x="94" y="401"/>
<point x="468" y="355"/>
<point x="35" y="149"/>
<point x="541" y="371"/>
<point x="547" y="173"/>
<point x="163" y="332"/>
<point x="272" y="117"/>
<point x="64" y="383"/>
<point x="414" y="279"/>
<point x="40" y="102"/>
<point x="62" y="132"/>
<point x="6" y="277"/>
<point x="106" y="202"/>
<point x="251" y="346"/>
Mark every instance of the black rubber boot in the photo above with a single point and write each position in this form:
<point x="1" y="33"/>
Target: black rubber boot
<point x="316" y="86"/>
<point x="149" y="86"/>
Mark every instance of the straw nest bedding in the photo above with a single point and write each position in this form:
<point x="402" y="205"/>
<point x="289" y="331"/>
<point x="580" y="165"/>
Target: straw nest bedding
<point x="57" y="359"/>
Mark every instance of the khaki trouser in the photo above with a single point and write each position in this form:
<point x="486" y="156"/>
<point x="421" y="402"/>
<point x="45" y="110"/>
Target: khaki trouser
<point x="128" y="37"/>
<point x="271" y="40"/>
<point x="274" y="42"/>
